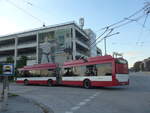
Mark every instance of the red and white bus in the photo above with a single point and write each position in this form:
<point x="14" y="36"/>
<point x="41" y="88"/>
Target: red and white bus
<point x="96" y="71"/>
<point x="44" y="74"/>
<point x="93" y="71"/>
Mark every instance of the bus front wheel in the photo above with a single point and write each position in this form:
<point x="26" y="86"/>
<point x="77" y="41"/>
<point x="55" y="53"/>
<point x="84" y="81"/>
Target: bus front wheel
<point x="26" y="82"/>
<point x="87" y="84"/>
<point x="50" y="83"/>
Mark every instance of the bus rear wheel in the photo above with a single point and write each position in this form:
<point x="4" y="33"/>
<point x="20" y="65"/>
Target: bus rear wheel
<point x="87" y="84"/>
<point x="50" y="83"/>
<point x="26" y="82"/>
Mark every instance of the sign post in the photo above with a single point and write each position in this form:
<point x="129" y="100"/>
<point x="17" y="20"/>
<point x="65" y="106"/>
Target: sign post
<point x="8" y="70"/>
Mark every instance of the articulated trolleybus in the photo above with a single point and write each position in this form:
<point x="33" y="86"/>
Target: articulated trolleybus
<point x="93" y="71"/>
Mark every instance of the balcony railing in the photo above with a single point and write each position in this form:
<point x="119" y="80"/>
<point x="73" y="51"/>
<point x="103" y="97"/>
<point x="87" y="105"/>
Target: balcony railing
<point x="4" y="58"/>
<point x="26" y="45"/>
<point x="82" y="44"/>
<point x="7" y="47"/>
<point x="86" y="42"/>
<point x="79" y="52"/>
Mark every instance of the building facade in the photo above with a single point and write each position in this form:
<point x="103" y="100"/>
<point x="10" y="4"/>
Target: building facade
<point x="146" y="64"/>
<point x="57" y="43"/>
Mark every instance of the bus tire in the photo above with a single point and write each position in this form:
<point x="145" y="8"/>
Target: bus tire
<point x="87" y="84"/>
<point x="26" y="82"/>
<point x="50" y="83"/>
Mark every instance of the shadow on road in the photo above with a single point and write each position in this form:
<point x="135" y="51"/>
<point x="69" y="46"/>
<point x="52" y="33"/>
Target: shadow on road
<point x="70" y="86"/>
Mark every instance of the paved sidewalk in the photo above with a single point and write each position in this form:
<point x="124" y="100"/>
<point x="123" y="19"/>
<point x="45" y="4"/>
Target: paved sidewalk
<point x="19" y="104"/>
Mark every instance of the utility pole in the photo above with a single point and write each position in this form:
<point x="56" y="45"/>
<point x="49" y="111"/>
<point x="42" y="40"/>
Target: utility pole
<point x="108" y="35"/>
<point x="8" y="70"/>
<point x="5" y="93"/>
<point x="105" y="45"/>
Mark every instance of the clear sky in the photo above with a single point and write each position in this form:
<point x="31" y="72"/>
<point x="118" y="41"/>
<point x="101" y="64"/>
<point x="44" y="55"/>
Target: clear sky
<point x="133" y="40"/>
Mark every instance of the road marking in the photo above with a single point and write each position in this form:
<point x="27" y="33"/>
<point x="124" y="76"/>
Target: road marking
<point x="91" y="97"/>
<point x="82" y="103"/>
<point x="96" y="94"/>
<point x="87" y="100"/>
<point x="68" y="112"/>
<point x="75" y="108"/>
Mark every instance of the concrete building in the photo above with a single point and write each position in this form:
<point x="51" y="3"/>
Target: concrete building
<point x="57" y="43"/>
<point x="146" y="64"/>
<point x="92" y="42"/>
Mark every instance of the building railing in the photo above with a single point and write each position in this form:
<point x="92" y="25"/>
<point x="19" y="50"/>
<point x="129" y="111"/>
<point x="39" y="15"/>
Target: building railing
<point x="29" y="44"/>
<point x="4" y="58"/>
<point x="82" y="52"/>
<point x="29" y="56"/>
<point x="82" y="44"/>
<point x="7" y="47"/>
<point x="86" y="42"/>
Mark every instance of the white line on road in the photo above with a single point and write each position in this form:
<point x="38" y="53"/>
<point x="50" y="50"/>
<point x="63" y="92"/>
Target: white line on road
<point x="87" y="100"/>
<point x="91" y="97"/>
<point x="75" y="108"/>
<point x="68" y="112"/>
<point x="84" y="102"/>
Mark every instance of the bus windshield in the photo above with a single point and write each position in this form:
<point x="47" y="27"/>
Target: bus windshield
<point x="121" y="66"/>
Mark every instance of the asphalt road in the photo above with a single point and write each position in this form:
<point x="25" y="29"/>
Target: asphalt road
<point x="132" y="99"/>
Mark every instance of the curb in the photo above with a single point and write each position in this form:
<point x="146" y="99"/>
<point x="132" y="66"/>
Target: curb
<point x="44" y="108"/>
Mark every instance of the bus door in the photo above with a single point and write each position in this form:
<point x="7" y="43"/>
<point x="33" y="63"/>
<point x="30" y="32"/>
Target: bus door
<point x="58" y="75"/>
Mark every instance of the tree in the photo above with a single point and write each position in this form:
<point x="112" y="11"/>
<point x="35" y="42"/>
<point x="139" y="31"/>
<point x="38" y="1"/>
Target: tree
<point x="137" y="66"/>
<point x="9" y="59"/>
<point x="22" y="62"/>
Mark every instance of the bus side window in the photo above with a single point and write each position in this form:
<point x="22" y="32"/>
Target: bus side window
<point x="68" y="72"/>
<point x="79" y="70"/>
<point x="91" y="70"/>
<point x="104" y="69"/>
<point x="49" y="72"/>
<point x="35" y="73"/>
<point x="21" y="73"/>
<point x="53" y="73"/>
<point x="74" y="71"/>
<point x="27" y="74"/>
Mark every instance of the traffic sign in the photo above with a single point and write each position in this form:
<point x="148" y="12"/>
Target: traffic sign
<point x="8" y="70"/>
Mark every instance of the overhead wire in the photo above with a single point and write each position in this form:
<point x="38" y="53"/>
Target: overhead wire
<point x="129" y="21"/>
<point x="141" y="33"/>
<point x="29" y="3"/>
<point x="140" y="24"/>
<point x="107" y="35"/>
<point x="140" y="10"/>
<point x="145" y="20"/>
<point x="44" y="10"/>
<point x="99" y="36"/>
<point x="123" y="22"/>
<point x="23" y="10"/>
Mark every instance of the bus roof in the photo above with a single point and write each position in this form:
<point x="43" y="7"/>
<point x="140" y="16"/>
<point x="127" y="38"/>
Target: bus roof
<point x="39" y="66"/>
<point x="89" y="61"/>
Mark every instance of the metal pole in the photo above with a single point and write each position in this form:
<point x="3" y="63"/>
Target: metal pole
<point x="105" y="45"/>
<point x="5" y="94"/>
